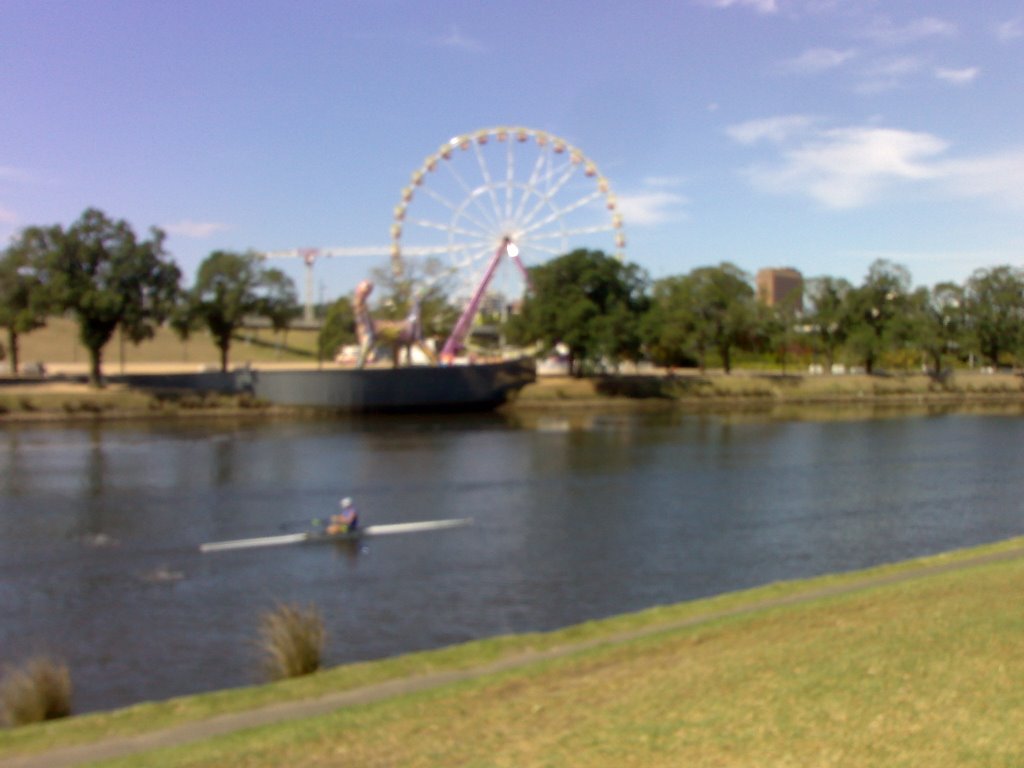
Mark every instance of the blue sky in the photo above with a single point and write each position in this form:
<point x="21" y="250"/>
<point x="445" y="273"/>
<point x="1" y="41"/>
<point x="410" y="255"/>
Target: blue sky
<point x="818" y="134"/>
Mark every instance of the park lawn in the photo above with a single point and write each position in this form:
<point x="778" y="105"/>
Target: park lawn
<point x="927" y="673"/>
<point x="58" y="347"/>
<point x="923" y="672"/>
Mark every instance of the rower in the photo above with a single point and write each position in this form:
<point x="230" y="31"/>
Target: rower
<point x="345" y="521"/>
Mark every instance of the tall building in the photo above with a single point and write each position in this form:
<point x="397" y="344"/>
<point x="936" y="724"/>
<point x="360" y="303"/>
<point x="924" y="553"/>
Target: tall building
<point x="775" y="286"/>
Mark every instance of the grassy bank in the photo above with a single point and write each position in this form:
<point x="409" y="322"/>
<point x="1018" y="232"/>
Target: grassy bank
<point x="58" y="397"/>
<point x="746" y="387"/>
<point x="860" y="669"/>
<point x="58" y="348"/>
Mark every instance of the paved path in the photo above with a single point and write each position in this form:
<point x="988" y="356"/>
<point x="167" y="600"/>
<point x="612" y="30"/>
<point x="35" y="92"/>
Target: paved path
<point x="295" y="710"/>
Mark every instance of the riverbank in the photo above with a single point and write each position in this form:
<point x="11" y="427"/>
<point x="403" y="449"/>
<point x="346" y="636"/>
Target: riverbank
<point x="911" y="664"/>
<point x="37" y="400"/>
<point x="692" y="387"/>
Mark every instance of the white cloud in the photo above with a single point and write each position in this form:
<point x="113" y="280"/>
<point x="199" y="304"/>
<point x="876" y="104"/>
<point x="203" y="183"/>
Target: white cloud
<point x="1010" y="30"/>
<point x="855" y="166"/>
<point x="761" y="6"/>
<point x="957" y="76"/>
<point x="884" y="31"/>
<point x="887" y="74"/>
<point x="7" y="216"/>
<point x="652" y="207"/>
<point x="773" y="129"/>
<point x="457" y="41"/>
<point x="816" y="60"/>
<point x="196" y="230"/>
<point x="848" y="167"/>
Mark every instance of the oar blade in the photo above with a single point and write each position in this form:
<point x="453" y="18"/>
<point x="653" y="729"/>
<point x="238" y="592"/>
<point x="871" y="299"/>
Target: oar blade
<point x="262" y="541"/>
<point x="425" y="525"/>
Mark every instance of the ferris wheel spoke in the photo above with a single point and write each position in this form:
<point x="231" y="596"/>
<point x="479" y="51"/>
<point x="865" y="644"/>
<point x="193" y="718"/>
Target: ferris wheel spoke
<point x="445" y="227"/>
<point x="437" y="196"/>
<point x="485" y="172"/>
<point x="510" y="175"/>
<point x="458" y="210"/>
<point x="558" y="213"/>
<point x="475" y="257"/>
<point x="473" y="197"/>
<point x="576" y="232"/>
<point x="447" y="249"/>
<point x="548" y="249"/>
<point x="557" y="175"/>
<point x="534" y="180"/>
<point x="550" y="194"/>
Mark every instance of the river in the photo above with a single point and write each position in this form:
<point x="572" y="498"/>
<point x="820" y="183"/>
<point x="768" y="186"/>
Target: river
<point x="574" y="519"/>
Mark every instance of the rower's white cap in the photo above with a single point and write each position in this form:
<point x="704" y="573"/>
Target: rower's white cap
<point x="346" y="502"/>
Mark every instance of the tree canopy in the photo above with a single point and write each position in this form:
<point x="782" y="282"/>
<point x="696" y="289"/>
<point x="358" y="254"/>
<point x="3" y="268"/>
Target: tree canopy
<point x="109" y="279"/>
<point x="232" y="286"/>
<point x="588" y="301"/>
<point x="995" y="304"/>
<point x="338" y="329"/>
<point x="709" y="308"/>
<point x="25" y="300"/>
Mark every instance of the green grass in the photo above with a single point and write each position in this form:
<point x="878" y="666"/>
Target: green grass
<point x="872" y="677"/>
<point x="57" y="345"/>
<point x="748" y="386"/>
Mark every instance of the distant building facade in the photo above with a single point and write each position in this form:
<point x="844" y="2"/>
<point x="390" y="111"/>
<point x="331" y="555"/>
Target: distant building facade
<point x="778" y="285"/>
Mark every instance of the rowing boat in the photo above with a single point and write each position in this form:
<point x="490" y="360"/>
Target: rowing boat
<point x="318" y="536"/>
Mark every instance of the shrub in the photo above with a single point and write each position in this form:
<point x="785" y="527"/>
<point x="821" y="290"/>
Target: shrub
<point x="40" y="690"/>
<point x="292" y="641"/>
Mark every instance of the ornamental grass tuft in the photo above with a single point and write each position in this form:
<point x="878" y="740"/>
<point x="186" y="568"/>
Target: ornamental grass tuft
<point x="292" y="641"/>
<point x="39" y="690"/>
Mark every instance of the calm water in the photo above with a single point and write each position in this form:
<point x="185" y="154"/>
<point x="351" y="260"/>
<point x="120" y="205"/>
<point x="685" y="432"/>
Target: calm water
<point x="99" y="526"/>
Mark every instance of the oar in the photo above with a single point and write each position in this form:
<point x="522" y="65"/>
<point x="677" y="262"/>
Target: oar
<point x="262" y="541"/>
<point x="426" y="525"/>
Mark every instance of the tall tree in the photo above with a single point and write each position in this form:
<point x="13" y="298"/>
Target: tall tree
<point x="279" y="301"/>
<point x="934" y="322"/>
<point x="672" y="329"/>
<point x="829" y="315"/>
<point x="24" y="298"/>
<point x="995" y="304"/>
<point x="233" y="286"/>
<point x="587" y="300"/>
<point x="873" y="308"/>
<point x="110" y="280"/>
<point x="711" y="308"/>
<point x="338" y="329"/>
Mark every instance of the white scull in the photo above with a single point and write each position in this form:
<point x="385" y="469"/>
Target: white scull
<point x="299" y="538"/>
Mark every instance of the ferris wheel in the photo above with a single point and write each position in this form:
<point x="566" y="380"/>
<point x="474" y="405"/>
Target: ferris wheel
<point x="502" y="192"/>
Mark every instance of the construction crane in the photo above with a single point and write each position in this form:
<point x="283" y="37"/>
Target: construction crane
<point x="309" y="257"/>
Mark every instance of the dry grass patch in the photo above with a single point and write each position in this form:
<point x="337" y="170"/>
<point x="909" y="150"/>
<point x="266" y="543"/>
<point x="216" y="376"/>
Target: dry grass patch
<point x="292" y="641"/>
<point x="37" y="691"/>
